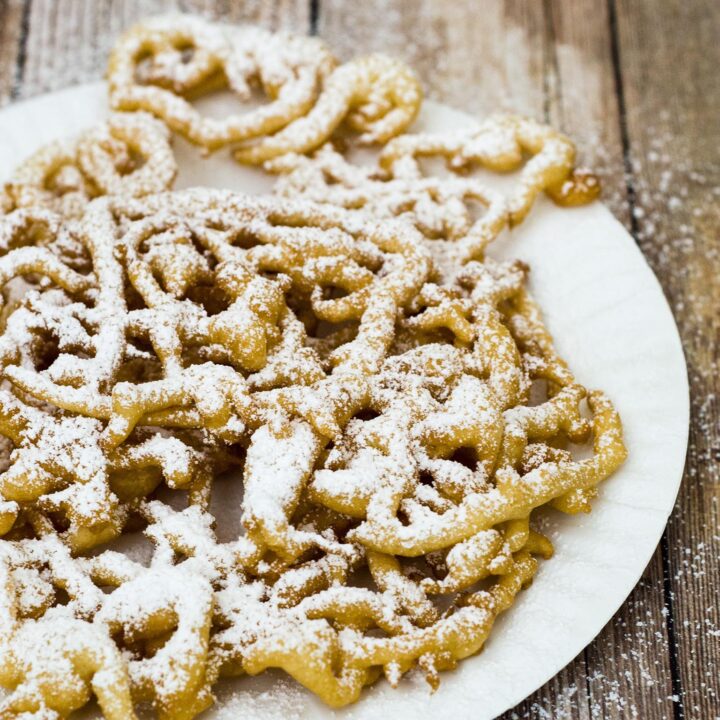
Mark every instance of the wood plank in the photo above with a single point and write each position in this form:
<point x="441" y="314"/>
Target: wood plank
<point x="275" y="15"/>
<point x="582" y="97"/>
<point x="69" y="40"/>
<point x="669" y="55"/>
<point x="11" y="33"/>
<point x="479" y="60"/>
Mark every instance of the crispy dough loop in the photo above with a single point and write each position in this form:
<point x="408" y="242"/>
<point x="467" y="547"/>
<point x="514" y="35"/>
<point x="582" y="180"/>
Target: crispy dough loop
<point x="376" y="95"/>
<point x="481" y="511"/>
<point x="59" y="467"/>
<point x="174" y="678"/>
<point x="442" y="208"/>
<point x="500" y="145"/>
<point x="161" y="65"/>
<point x="127" y="155"/>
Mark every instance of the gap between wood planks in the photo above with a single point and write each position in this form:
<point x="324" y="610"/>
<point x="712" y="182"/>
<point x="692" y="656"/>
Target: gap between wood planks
<point x="678" y="707"/>
<point x="22" y="49"/>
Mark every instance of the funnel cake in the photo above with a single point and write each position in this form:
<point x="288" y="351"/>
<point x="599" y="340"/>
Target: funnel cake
<point x="388" y="396"/>
<point x="398" y="441"/>
<point x="163" y="64"/>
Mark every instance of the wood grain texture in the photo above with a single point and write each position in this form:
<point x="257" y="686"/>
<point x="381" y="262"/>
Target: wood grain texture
<point x="11" y="21"/>
<point x="636" y="84"/>
<point x="581" y="91"/>
<point x="669" y="56"/>
<point x="480" y="59"/>
<point x="68" y="41"/>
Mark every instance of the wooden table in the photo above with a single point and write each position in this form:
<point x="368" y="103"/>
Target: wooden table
<point x="637" y="84"/>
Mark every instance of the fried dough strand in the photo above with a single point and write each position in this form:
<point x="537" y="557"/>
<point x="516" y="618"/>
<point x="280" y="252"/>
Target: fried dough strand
<point x="388" y="395"/>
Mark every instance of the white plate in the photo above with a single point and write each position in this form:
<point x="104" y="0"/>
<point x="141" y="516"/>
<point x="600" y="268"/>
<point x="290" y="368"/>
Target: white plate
<point x="611" y="321"/>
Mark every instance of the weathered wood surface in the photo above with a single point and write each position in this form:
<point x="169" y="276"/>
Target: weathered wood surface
<point x="668" y="60"/>
<point x="636" y="84"/>
<point x="10" y="55"/>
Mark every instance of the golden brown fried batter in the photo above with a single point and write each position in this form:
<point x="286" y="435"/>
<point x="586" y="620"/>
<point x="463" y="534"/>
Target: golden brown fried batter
<point x="390" y="396"/>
